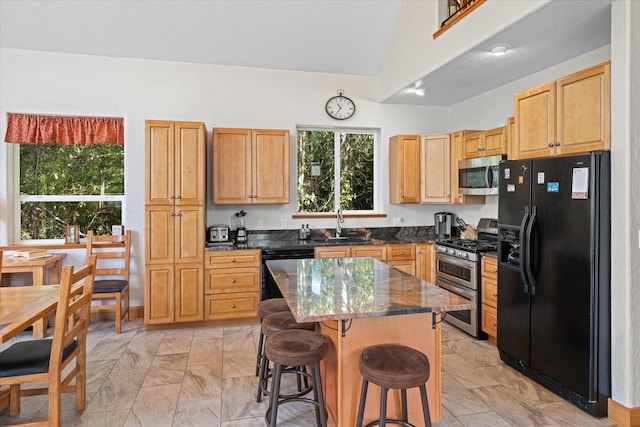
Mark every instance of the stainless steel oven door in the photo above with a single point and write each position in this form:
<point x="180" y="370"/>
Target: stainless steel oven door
<point x="467" y="320"/>
<point x="457" y="270"/>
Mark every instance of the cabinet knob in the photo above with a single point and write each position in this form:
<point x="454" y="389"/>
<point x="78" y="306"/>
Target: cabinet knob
<point x="172" y="214"/>
<point x="172" y="197"/>
<point x="495" y="324"/>
<point x="401" y="252"/>
<point x="233" y="280"/>
<point x="177" y="197"/>
<point x="557" y="144"/>
<point x="233" y="260"/>
<point x="495" y="294"/>
<point x="178" y="214"/>
<point x="495" y="270"/>
<point x="550" y="145"/>
<point x="233" y="306"/>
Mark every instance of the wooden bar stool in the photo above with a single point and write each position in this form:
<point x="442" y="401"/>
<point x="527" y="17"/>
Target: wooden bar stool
<point x="265" y="308"/>
<point x="296" y="347"/>
<point x="272" y="324"/>
<point x="393" y="366"/>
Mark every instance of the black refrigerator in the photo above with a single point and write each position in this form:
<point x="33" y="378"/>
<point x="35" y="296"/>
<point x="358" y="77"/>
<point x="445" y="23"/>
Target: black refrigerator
<point x="554" y="274"/>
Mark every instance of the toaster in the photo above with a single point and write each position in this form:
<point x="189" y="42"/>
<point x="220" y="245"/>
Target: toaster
<point x="218" y="233"/>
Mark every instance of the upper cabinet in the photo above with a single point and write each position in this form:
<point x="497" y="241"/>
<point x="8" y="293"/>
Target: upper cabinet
<point x="174" y="170"/>
<point x="457" y="154"/>
<point x="435" y="169"/>
<point x="484" y="143"/>
<point x="404" y="169"/>
<point x="250" y="166"/>
<point x="567" y="116"/>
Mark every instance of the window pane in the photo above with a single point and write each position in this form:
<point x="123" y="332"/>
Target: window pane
<point x="316" y="188"/>
<point x="356" y="172"/>
<point x="54" y="169"/>
<point x="46" y="220"/>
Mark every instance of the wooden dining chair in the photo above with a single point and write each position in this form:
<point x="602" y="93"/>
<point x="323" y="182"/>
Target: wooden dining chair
<point x="112" y="273"/>
<point x="44" y="360"/>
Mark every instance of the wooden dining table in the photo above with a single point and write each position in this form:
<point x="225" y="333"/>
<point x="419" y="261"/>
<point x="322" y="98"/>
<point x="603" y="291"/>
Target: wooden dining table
<point x="38" y="267"/>
<point x="23" y="306"/>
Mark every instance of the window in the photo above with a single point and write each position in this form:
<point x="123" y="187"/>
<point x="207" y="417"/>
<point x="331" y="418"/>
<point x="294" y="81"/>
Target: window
<point x="61" y="185"/>
<point x="335" y="170"/>
<point x="69" y="170"/>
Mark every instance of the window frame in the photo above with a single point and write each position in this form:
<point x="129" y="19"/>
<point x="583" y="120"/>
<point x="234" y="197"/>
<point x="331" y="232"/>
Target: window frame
<point x="18" y="199"/>
<point x="377" y="199"/>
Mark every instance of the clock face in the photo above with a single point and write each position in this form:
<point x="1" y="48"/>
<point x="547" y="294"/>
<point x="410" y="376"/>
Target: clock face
<point x="340" y="107"/>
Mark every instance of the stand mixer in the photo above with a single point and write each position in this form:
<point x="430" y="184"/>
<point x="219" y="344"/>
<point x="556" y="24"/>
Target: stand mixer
<point x="241" y="230"/>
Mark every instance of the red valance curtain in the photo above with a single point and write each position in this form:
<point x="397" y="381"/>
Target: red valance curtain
<point x="66" y="130"/>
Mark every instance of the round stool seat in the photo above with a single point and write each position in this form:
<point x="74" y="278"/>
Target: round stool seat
<point x="270" y="306"/>
<point x="283" y="321"/>
<point x="394" y="366"/>
<point x="296" y="347"/>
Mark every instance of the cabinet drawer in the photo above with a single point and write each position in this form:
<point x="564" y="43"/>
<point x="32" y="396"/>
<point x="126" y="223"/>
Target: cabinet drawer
<point x="401" y="252"/>
<point x="408" y="267"/>
<point x="334" y="252"/>
<point x="224" y="281"/>
<point x="489" y="267"/>
<point x="377" y="252"/>
<point x="232" y="259"/>
<point x="232" y="306"/>
<point x="489" y="292"/>
<point x="490" y="320"/>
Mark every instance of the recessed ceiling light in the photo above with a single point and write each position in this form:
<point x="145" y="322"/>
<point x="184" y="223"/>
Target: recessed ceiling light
<point x="499" y="50"/>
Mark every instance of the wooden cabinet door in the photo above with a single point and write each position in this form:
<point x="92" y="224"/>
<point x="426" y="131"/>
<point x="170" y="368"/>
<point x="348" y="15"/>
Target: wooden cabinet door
<point x="231" y="166"/>
<point x="378" y="252"/>
<point x="495" y="142"/>
<point x="159" y="234"/>
<point x="457" y="154"/>
<point x="472" y="145"/>
<point x="270" y="165"/>
<point x="425" y="262"/>
<point x="189" y="232"/>
<point x="332" y="252"/>
<point x="189" y="292"/>
<point x="404" y="169"/>
<point x="435" y="164"/>
<point x="535" y="116"/>
<point x="159" y="163"/>
<point x="158" y="294"/>
<point x="406" y="266"/>
<point x="190" y="150"/>
<point x="583" y="111"/>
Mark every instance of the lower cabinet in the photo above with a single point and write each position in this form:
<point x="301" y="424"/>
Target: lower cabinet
<point x="489" y="274"/>
<point x="232" y="284"/>
<point x="426" y="261"/>
<point x="174" y="293"/>
<point x="402" y="257"/>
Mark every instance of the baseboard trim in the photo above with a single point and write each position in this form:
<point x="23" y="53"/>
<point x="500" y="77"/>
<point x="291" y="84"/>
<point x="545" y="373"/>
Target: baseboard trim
<point x="623" y="416"/>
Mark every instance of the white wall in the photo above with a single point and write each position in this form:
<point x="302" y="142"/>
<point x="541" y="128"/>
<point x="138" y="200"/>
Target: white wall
<point x="220" y="96"/>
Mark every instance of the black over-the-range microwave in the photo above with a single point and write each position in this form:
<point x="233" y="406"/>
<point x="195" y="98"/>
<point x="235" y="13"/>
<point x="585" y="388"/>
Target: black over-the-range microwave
<point x="479" y="176"/>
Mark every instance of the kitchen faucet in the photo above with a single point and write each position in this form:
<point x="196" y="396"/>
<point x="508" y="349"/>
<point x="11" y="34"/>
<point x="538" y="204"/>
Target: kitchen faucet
<point x="340" y="219"/>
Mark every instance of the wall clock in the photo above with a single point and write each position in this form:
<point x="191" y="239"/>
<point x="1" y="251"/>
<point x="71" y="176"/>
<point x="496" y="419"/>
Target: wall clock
<point x="340" y="107"/>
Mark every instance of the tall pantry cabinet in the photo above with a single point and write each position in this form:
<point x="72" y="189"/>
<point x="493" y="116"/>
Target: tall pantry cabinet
<point x="174" y="221"/>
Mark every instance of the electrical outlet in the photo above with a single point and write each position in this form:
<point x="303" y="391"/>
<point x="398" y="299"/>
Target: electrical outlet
<point x="284" y="223"/>
<point x="260" y="223"/>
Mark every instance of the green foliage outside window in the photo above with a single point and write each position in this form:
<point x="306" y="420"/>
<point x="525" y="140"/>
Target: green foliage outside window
<point x="316" y="171"/>
<point x="50" y="170"/>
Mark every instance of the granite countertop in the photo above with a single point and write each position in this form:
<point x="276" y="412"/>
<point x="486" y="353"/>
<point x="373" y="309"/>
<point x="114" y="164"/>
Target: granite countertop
<point x="288" y="239"/>
<point x="349" y="288"/>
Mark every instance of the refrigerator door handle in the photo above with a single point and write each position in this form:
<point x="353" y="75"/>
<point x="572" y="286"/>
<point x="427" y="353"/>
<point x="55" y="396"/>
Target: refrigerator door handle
<point x="532" y="221"/>
<point x="523" y="249"/>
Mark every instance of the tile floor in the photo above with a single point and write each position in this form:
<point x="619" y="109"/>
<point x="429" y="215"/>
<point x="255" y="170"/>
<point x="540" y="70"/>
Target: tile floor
<point x="205" y="377"/>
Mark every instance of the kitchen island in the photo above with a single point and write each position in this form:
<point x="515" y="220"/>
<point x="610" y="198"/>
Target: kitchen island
<point x="361" y="302"/>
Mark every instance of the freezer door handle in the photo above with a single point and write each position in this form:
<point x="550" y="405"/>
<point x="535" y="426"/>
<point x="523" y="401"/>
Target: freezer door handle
<point x="532" y="221"/>
<point x="523" y="249"/>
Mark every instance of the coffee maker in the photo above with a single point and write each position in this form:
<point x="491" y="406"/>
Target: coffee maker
<point x="445" y="227"/>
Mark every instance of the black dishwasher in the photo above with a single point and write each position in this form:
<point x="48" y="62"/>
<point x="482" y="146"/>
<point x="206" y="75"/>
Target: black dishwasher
<point x="269" y="287"/>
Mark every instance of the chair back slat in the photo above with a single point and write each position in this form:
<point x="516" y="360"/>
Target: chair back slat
<point x="108" y="250"/>
<point x="72" y="313"/>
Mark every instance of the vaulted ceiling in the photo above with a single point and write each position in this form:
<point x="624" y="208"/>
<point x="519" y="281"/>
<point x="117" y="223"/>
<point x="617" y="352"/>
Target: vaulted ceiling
<point x="332" y="36"/>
